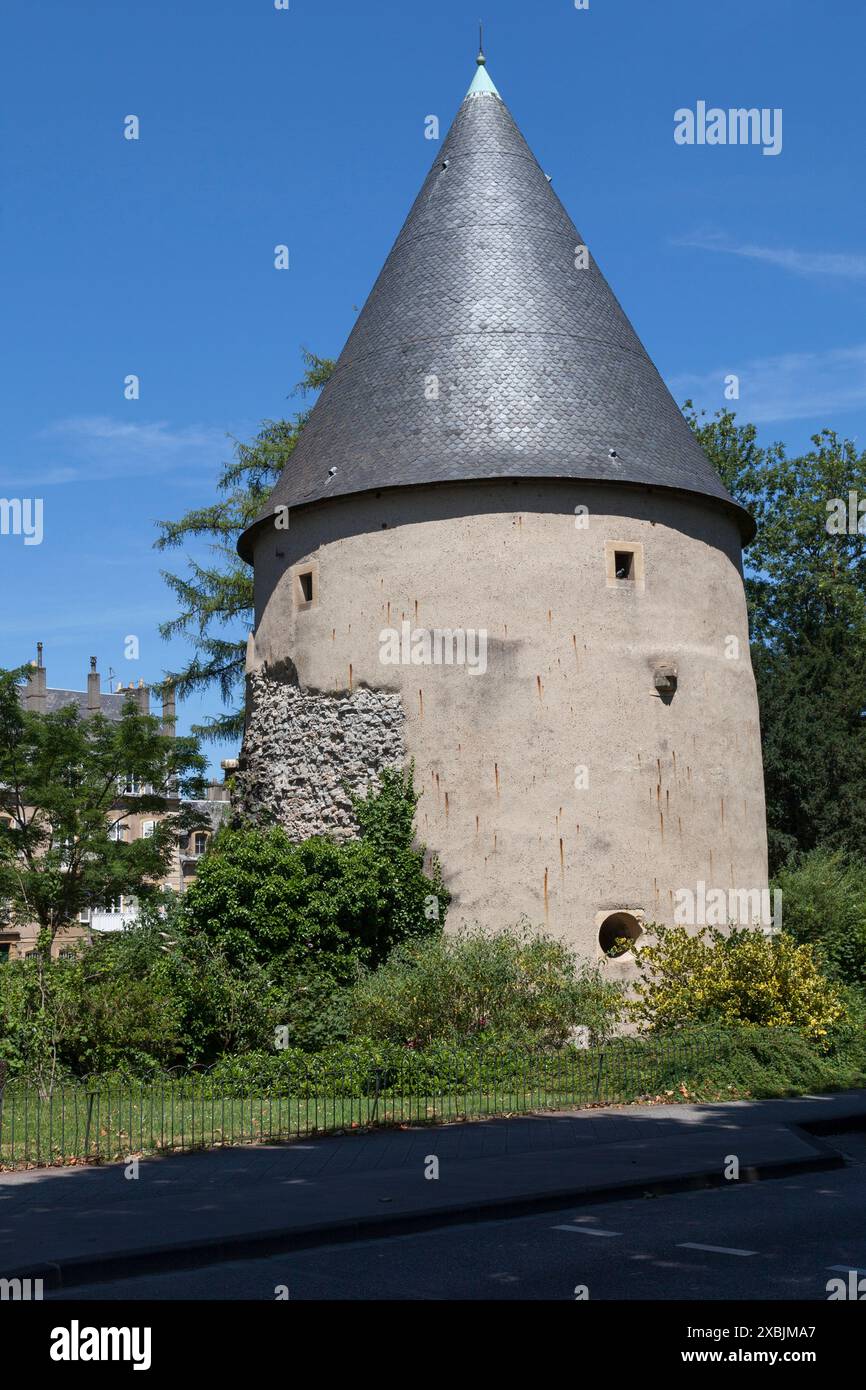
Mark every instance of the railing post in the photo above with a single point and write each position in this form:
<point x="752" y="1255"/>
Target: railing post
<point x="4" y="1072"/>
<point x="90" y="1099"/>
<point x="598" y="1074"/>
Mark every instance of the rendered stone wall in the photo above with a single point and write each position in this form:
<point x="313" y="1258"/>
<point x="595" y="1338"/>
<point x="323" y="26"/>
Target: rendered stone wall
<point x="305" y="751"/>
<point x="561" y="783"/>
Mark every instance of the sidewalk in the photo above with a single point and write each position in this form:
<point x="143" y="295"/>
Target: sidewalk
<point x="73" y="1225"/>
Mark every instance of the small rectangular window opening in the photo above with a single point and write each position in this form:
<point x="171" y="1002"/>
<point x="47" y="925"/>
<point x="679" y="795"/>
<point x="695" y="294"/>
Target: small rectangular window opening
<point x="306" y="582"/>
<point x="623" y="564"/>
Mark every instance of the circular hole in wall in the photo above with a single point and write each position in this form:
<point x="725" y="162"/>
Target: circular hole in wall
<point x="618" y="934"/>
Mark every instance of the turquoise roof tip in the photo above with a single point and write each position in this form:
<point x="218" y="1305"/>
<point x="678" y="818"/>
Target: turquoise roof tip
<point x="482" y="82"/>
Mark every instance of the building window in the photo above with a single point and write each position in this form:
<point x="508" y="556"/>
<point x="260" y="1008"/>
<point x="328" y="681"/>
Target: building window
<point x="130" y="785"/>
<point x="199" y="844"/>
<point x="624" y="564"/>
<point x="117" y="831"/>
<point x="4" y="950"/>
<point x="147" y="829"/>
<point x="65" y="846"/>
<point x="305" y="584"/>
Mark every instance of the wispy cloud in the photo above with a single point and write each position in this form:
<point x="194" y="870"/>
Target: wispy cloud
<point x="842" y="265"/>
<point x="792" y="386"/>
<point x="87" y="448"/>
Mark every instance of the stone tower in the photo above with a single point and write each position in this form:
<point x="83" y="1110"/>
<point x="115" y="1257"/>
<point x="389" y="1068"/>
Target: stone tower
<point x="499" y="550"/>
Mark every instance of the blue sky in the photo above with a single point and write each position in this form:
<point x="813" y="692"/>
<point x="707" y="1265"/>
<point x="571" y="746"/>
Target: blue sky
<point x="306" y="127"/>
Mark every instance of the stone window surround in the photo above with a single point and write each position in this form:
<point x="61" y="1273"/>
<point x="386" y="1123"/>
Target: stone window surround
<point x="611" y="550"/>
<point x="309" y="567"/>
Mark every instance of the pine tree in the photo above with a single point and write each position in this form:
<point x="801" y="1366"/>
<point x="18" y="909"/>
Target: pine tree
<point x="215" y="600"/>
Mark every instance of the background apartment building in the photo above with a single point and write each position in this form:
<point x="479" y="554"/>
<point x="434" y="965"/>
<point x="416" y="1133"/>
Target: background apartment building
<point x="19" y="939"/>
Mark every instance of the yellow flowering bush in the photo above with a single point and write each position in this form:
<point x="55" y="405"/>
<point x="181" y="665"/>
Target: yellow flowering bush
<point x="737" y="976"/>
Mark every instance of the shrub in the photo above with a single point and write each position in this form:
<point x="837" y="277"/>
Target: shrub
<point x="824" y="906"/>
<point x="728" y="1063"/>
<point x="517" y="984"/>
<point x="740" y="976"/>
<point x="220" y="1007"/>
<point x="705" y="1062"/>
<point x="846" y="1040"/>
<point x="361" y="1067"/>
<point x="267" y="936"/>
<point x="263" y="899"/>
<point x="94" y="1012"/>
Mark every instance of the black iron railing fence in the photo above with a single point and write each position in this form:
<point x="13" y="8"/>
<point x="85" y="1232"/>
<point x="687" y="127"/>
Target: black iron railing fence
<point x="104" y="1118"/>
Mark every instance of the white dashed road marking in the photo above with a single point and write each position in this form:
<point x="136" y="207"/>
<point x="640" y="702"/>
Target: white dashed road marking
<point x="714" y="1249"/>
<point x="586" y="1231"/>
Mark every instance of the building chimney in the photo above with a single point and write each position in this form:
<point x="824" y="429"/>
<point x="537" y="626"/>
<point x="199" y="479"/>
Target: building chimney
<point x="94" y="703"/>
<point x="169" y="714"/>
<point x="143" y="695"/>
<point x="34" y="698"/>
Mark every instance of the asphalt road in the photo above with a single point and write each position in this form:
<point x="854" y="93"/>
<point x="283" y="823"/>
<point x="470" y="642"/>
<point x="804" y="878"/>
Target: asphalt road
<point x="772" y="1240"/>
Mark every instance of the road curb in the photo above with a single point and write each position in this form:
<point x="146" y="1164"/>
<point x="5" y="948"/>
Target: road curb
<point x="96" y="1269"/>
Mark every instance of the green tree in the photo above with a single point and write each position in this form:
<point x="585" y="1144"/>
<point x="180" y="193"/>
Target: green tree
<point x="824" y="905"/>
<point x="66" y="783"/>
<point x="806" y="590"/>
<point x="215" y="600"/>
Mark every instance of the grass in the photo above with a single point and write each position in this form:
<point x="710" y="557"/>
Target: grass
<point x="109" y="1123"/>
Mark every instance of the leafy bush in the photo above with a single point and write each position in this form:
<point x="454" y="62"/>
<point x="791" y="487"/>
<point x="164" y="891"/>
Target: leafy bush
<point x="519" y="985"/>
<point x="268" y="936"/>
<point x="219" y="1006"/>
<point x="262" y="899"/>
<point x="708" y="1063"/>
<point x="362" y="1067"/>
<point x="97" y="1011"/>
<point x="748" y="1060"/>
<point x="740" y="976"/>
<point x="824" y="906"/>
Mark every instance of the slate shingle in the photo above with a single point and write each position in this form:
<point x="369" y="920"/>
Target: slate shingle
<point x="540" y="374"/>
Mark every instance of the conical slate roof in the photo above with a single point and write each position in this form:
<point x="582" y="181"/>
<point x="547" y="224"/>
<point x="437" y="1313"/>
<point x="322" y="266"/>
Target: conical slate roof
<point x="539" y="372"/>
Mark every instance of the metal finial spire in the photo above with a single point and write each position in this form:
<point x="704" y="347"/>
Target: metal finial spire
<point x="481" y="82"/>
